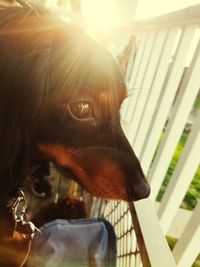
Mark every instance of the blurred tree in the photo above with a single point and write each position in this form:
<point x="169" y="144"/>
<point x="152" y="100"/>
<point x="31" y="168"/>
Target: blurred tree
<point x="76" y="5"/>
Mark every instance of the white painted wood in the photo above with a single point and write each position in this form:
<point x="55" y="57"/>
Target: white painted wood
<point x="129" y="71"/>
<point x="147" y="82"/>
<point x="179" y="222"/>
<point x="181" y="178"/>
<point x="138" y="59"/>
<point x="156" y="244"/>
<point x="186" y="16"/>
<point x="141" y="74"/>
<point x="167" y="99"/>
<point x="155" y="92"/>
<point x="132" y="58"/>
<point x="153" y="113"/>
<point x="178" y="118"/>
<point x="95" y="207"/>
<point x="188" y="246"/>
<point x="145" y="60"/>
<point x="135" y="85"/>
<point x="102" y="207"/>
<point x="137" y="64"/>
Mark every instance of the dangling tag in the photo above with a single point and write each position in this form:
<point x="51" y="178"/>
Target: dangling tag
<point x="18" y="210"/>
<point x="27" y="229"/>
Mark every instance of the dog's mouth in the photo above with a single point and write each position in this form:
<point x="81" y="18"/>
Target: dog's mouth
<point x="98" y="186"/>
<point x="134" y="193"/>
<point x="103" y="172"/>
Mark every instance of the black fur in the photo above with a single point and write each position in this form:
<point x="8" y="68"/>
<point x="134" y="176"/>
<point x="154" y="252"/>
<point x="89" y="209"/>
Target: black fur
<point x="60" y="95"/>
<point x="47" y="69"/>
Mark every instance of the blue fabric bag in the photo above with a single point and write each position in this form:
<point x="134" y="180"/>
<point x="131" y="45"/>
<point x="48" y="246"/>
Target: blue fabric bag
<point x="74" y="243"/>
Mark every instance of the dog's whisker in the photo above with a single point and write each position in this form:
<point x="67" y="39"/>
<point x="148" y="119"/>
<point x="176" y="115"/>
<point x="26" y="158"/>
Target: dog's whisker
<point x="136" y="92"/>
<point x="137" y="89"/>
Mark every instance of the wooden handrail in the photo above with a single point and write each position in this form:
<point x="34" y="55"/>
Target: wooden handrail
<point x="156" y="245"/>
<point x="186" y="16"/>
<point x="139" y="237"/>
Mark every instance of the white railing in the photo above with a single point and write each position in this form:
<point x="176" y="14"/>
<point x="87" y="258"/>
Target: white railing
<point x="163" y="78"/>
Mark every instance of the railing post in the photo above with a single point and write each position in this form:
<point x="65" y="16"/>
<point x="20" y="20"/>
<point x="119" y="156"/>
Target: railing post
<point x="187" y="247"/>
<point x="139" y="237"/>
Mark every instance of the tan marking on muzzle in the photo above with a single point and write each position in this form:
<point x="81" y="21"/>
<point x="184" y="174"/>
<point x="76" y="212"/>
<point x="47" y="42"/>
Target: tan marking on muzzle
<point x="107" y="180"/>
<point x="110" y="181"/>
<point x="61" y="156"/>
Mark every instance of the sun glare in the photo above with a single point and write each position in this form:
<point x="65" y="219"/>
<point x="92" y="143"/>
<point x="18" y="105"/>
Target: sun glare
<point x="102" y="15"/>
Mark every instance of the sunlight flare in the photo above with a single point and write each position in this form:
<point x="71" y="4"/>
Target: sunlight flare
<point x="102" y="15"/>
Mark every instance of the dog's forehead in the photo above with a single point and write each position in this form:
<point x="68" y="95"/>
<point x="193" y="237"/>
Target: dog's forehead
<point x="102" y="95"/>
<point x="109" y="96"/>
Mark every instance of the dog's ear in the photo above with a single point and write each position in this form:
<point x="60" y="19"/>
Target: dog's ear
<point x="23" y="90"/>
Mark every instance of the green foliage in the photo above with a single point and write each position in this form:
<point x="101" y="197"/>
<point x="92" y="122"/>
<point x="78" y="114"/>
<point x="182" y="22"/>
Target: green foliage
<point x="197" y="262"/>
<point x="193" y="192"/>
<point x="196" y="106"/>
<point x="172" y="242"/>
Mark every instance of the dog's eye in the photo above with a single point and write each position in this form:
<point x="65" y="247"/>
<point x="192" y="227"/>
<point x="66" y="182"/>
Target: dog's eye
<point x="81" y="110"/>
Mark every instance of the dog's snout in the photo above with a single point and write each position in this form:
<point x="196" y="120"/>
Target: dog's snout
<point x="140" y="191"/>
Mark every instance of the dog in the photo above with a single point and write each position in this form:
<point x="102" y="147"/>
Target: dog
<point x="60" y="95"/>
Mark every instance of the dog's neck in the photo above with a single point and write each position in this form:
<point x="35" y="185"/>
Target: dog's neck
<point x="7" y="224"/>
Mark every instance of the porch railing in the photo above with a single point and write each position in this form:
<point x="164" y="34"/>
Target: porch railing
<point x="163" y="79"/>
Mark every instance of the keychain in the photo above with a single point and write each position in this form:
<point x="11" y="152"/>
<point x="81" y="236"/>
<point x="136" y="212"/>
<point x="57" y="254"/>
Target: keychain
<point x="17" y="207"/>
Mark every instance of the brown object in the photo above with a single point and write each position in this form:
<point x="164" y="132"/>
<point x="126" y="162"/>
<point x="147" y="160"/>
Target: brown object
<point x="66" y="208"/>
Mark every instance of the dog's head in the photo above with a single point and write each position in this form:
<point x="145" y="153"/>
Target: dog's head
<point x="70" y="90"/>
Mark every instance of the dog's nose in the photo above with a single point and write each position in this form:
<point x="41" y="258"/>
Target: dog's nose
<point x="140" y="191"/>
